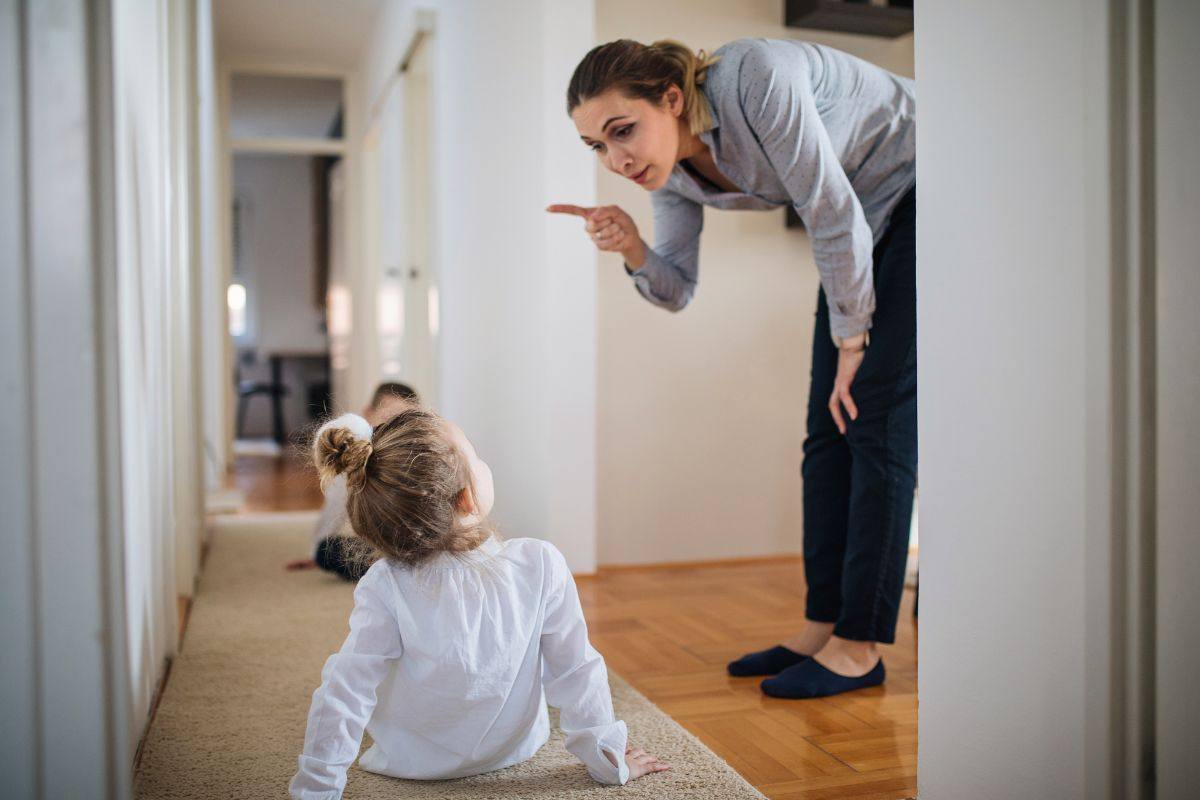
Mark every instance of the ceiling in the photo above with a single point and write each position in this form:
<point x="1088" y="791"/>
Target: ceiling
<point x="331" y="33"/>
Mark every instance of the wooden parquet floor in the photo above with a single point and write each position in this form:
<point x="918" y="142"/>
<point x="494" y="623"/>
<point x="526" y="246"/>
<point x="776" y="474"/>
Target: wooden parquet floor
<point x="669" y="631"/>
<point x="286" y="482"/>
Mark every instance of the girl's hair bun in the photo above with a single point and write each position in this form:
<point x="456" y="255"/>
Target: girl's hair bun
<point x="342" y="447"/>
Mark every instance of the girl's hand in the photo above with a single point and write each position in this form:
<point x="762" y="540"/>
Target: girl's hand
<point x="611" y="229"/>
<point x="642" y="763"/>
<point x="848" y="363"/>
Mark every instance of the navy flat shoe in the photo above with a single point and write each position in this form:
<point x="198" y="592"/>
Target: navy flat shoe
<point x="765" y="662"/>
<point x="810" y="679"/>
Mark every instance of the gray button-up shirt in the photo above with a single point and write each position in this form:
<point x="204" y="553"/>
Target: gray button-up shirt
<point x="803" y="124"/>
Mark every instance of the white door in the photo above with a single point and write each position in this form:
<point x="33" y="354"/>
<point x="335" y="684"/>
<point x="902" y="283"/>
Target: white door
<point x="422" y="310"/>
<point x="398" y="218"/>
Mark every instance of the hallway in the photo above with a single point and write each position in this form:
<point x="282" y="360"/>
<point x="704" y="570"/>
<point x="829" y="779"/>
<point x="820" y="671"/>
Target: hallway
<point x="281" y="207"/>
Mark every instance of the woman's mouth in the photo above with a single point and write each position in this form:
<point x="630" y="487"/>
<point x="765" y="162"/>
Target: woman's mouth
<point x="641" y="176"/>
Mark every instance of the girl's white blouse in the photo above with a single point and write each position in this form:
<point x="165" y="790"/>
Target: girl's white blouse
<point x="449" y="667"/>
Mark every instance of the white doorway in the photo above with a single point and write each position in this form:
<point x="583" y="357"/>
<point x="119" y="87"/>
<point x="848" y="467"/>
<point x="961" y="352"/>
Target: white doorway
<point x="282" y="143"/>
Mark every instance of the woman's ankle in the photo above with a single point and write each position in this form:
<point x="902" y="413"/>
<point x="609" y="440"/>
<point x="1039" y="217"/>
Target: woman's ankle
<point x="859" y="652"/>
<point x="811" y="639"/>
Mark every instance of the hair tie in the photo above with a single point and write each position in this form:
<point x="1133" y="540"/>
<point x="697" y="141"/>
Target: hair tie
<point x="354" y="423"/>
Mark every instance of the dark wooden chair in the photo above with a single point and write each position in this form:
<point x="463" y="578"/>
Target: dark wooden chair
<point x="273" y="389"/>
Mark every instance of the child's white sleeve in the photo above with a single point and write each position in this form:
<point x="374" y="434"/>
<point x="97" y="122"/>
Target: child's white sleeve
<point x="576" y="681"/>
<point x="343" y="704"/>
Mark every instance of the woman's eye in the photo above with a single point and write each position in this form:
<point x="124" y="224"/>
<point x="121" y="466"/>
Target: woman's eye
<point x="623" y="132"/>
<point x="595" y="147"/>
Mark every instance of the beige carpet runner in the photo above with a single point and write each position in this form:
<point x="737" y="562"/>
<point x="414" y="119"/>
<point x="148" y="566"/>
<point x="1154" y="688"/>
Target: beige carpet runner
<point x="231" y="720"/>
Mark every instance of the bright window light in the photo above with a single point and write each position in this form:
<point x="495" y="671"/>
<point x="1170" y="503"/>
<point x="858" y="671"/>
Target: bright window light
<point x="341" y="314"/>
<point x="235" y="298"/>
<point x="435" y="321"/>
<point x="391" y="310"/>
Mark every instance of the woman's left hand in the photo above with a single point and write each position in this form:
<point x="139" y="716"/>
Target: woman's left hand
<point x="848" y="363"/>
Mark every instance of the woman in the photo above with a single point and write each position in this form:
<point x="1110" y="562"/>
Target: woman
<point x="761" y="124"/>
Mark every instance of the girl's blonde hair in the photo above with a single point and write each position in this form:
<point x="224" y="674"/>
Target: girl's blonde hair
<point x="404" y="484"/>
<point x="645" y="72"/>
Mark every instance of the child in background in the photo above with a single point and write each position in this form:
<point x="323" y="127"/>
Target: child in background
<point x="333" y="549"/>
<point x="457" y="639"/>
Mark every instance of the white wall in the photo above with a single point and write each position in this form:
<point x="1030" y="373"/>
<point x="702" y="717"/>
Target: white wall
<point x="701" y="413"/>
<point x="214" y="325"/>
<point x="1056" y="406"/>
<point x="1177" y="176"/>
<point x="398" y="234"/>
<point x="154" y="334"/>
<point x="18" y="668"/>
<point x="96" y="370"/>
<point x="518" y="349"/>
<point x="273" y="105"/>
<point x="1000" y="242"/>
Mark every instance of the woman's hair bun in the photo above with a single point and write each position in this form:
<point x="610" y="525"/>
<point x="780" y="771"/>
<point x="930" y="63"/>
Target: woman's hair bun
<point x="342" y="447"/>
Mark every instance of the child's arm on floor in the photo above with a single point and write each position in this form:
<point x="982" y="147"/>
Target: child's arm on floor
<point x="576" y="682"/>
<point x="343" y="704"/>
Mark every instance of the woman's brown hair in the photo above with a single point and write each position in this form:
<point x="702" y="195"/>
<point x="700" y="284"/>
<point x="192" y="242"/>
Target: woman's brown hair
<point x="404" y="487"/>
<point x="645" y="72"/>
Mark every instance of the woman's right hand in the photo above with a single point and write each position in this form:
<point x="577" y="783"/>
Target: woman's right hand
<point x="612" y="230"/>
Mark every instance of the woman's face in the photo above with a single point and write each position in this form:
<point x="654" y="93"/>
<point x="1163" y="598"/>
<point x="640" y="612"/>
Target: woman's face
<point x="636" y="139"/>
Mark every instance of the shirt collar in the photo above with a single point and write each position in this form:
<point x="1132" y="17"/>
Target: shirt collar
<point x="484" y="552"/>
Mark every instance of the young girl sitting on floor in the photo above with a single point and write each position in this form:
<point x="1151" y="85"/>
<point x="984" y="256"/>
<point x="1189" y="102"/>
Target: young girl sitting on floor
<point x="457" y="639"/>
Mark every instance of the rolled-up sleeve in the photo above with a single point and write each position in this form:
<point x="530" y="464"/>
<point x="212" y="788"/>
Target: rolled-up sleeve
<point x="576" y="681"/>
<point x="776" y="96"/>
<point x="346" y="698"/>
<point x="668" y="277"/>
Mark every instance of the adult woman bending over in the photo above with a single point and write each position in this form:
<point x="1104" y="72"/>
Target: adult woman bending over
<point x="758" y="125"/>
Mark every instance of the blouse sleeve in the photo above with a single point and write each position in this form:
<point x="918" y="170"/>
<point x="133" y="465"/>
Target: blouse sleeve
<point x="776" y="96"/>
<point x="343" y="704"/>
<point x="668" y="276"/>
<point x="576" y="681"/>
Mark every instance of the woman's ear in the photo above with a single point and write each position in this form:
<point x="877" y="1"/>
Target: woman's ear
<point x="674" y="100"/>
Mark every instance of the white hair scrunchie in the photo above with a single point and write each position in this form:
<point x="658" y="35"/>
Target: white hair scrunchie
<point x="351" y="422"/>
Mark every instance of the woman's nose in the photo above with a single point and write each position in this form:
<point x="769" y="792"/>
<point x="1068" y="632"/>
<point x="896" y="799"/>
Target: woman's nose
<point x="617" y="161"/>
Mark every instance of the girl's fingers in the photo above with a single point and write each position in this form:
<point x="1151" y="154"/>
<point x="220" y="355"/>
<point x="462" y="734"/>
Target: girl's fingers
<point x="564" y="208"/>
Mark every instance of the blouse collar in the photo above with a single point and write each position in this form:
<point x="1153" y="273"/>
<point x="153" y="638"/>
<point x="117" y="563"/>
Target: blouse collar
<point x="484" y="552"/>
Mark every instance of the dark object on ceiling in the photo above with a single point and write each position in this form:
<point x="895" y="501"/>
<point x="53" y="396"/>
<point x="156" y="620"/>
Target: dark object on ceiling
<point x="848" y="16"/>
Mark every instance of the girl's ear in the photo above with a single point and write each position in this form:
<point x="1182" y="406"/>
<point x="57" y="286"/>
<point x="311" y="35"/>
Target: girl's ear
<point x="465" y="502"/>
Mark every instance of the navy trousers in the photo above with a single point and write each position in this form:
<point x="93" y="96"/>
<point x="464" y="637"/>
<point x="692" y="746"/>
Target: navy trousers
<point x="858" y="488"/>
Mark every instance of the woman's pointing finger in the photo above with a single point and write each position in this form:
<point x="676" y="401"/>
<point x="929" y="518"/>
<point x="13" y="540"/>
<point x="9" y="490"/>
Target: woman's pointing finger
<point x="578" y="211"/>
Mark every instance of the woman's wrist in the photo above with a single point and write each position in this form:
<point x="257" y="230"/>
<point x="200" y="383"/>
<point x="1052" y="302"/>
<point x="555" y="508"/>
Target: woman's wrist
<point x="852" y="344"/>
<point x="635" y="257"/>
